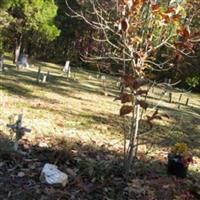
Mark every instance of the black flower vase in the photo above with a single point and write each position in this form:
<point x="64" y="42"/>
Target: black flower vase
<point x="176" y="167"/>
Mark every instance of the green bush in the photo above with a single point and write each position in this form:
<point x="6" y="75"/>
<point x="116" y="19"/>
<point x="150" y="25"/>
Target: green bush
<point x="193" y="81"/>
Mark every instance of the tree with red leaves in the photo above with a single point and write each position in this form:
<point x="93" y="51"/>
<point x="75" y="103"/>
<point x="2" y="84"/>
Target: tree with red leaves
<point x="132" y="32"/>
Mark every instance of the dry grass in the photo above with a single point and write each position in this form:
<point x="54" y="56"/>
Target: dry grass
<point x="78" y="108"/>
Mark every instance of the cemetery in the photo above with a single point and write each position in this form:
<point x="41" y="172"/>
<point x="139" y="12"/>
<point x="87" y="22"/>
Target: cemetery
<point x="99" y="100"/>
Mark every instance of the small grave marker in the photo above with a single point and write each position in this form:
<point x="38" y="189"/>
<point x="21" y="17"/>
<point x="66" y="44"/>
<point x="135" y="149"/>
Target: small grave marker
<point x="179" y="101"/>
<point x="23" y="62"/>
<point x="67" y="69"/>
<point x="1" y="63"/>
<point x="19" y="131"/>
<point x="170" y="97"/>
<point x="187" y="101"/>
<point x="42" y="77"/>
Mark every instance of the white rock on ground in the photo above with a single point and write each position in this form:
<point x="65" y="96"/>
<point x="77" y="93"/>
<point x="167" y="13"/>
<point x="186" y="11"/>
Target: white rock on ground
<point x="52" y="175"/>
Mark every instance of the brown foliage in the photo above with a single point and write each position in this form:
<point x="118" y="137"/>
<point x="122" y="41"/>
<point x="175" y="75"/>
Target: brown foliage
<point x="125" y="109"/>
<point x="142" y="103"/>
<point x="140" y="92"/>
<point x="125" y="98"/>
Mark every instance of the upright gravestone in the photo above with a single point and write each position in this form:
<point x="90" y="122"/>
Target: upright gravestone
<point x="45" y="77"/>
<point x="23" y="62"/>
<point x="67" y="68"/>
<point x="1" y="62"/>
<point x="19" y="130"/>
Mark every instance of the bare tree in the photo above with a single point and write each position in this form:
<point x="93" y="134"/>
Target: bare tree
<point x="134" y="32"/>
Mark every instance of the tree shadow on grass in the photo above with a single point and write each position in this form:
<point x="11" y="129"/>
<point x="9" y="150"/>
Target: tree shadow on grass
<point x="104" y="121"/>
<point x="16" y="89"/>
<point x="160" y="136"/>
<point x="55" y="83"/>
<point x="95" y="173"/>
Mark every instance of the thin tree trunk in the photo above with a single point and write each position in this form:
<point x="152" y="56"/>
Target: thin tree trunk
<point x="133" y="139"/>
<point x="136" y="130"/>
<point x="38" y="74"/>
<point x="17" y="50"/>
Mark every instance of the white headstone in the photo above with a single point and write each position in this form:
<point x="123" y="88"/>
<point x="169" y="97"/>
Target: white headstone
<point x="23" y="61"/>
<point x="103" y="77"/>
<point x="44" y="79"/>
<point x="67" y="68"/>
<point x="1" y="62"/>
<point x="52" y="175"/>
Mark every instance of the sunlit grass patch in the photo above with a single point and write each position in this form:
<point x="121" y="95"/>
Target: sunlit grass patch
<point x="78" y="108"/>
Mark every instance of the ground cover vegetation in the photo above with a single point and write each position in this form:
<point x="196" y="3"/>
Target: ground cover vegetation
<point x="112" y="122"/>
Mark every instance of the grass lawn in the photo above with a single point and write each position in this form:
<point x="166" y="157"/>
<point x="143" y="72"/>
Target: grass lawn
<point x="77" y="127"/>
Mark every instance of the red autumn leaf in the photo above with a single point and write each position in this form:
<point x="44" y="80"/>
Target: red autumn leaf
<point x="124" y="98"/>
<point x="178" y="57"/>
<point x="132" y="82"/>
<point x="124" y="25"/>
<point x="176" y="17"/>
<point x="136" y="4"/>
<point x="140" y="92"/>
<point x="189" y="46"/>
<point x="156" y="8"/>
<point x="170" y="10"/>
<point x="125" y="109"/>
<point x="142" y="103"/>
<point x="155" y="113"/>
<point x="128" y="80"/>
<point x="166" y="17"/>
<point x="184" y="33"/>
<point x="155" y="116"/>
<point x="151" y="118"/>
<point x="125" y="1"/>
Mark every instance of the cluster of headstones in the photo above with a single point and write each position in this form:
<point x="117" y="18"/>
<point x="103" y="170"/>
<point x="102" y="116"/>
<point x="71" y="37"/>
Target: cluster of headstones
<point x="22" y="62"/>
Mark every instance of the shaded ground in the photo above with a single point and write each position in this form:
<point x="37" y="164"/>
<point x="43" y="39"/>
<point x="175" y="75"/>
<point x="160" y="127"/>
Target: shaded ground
<point x="83" y="133"/>
<point x="94" y="173"/>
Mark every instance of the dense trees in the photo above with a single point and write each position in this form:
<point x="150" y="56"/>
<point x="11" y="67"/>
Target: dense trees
<point x="30" y="22"/>
<point x="43" y="29"/>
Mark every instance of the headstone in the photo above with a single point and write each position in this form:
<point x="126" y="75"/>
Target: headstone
<point x="187" y="101"/>
<point x="19" y="130"/>
<point x="67" y="68"/>
<point x="1" y="62"/>
<point x="179" y="101"/>
<point x="170" y="97"/>
<point x="103" y="77"/>
<point x="44" y="78"/>
<point x="180" y="97"/>
<point x="119" y="83"/>
<point x="23" y="62"/>
<point x="98" y="75"/>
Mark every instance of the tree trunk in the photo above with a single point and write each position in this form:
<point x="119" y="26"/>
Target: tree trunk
<point x="132" y="150"/>
<point x="18" y="45"/>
